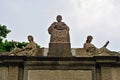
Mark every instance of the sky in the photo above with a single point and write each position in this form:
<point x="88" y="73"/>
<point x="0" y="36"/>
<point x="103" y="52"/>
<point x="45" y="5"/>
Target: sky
<point x="99" y="18"/>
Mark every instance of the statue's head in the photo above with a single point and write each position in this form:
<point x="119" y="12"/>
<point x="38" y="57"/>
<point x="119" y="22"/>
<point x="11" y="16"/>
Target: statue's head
<point x="59" y="18"/>
<point x="30" y="38"/>
<point x="89" y="39"/>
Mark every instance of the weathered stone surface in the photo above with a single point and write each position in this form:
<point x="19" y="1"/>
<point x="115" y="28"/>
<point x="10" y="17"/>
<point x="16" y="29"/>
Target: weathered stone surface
<point x="59" y="45"/>
<point x="59" y="68"/>
<point x="110" y="73"/>
<point x="13" y="73"/>
<point x="59" y="36"/>
<point x="59" y="75"/>
<point x="40" y="52"/>
<point x="106" y="73"/>
<point x="94" y="51"/>
<point x="80" y="52"/>
<point x="59" y="50"/>
<point x="59" y="31"/>
<point x="4" y="53"/>
<point x="115" y="72"/>
<point x="3" y="73"/>
<point x="29" y="50"/>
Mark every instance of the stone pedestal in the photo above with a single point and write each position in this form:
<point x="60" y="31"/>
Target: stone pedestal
<point x="59" y="50"/>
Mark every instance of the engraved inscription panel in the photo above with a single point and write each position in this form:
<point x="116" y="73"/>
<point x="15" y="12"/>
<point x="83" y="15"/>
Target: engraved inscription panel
<point x="59" y="75"/>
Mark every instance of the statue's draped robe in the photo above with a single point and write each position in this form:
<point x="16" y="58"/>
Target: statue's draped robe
<point x="59" y="36"/>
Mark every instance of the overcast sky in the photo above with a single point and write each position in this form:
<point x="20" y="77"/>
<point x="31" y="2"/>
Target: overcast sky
<point x="99" y="18"/>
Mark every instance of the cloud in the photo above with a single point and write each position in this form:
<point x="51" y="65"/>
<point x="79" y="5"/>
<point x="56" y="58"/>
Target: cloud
<point x="99" y="18"/>
<point x="96" y="12"/>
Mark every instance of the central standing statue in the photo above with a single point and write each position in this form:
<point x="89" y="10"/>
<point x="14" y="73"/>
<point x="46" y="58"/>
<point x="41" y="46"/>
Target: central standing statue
<point x="60" y="40"/>
<point x="59" y="31"/>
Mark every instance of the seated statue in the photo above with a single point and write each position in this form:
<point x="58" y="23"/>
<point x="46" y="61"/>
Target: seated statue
<point x="29" y="50"/>
<point x="59" y="31"/>
<point x="90" y="48"/>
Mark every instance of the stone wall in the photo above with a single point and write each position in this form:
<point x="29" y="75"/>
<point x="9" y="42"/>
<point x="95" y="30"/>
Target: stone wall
<point x="75" y="52"/>
<point x="59" y="68"/>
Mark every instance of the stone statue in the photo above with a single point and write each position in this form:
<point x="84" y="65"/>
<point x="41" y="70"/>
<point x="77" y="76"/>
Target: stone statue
<point x="59" y="31"/>
<point x="90" y="48"/>
<point x="29" y="50"/>
<point x="59" y="38"/>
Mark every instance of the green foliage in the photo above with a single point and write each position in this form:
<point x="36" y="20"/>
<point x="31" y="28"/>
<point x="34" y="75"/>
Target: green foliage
<point x="3" y="32"/>
<point x="21" y="44"/>
<point x="6" y="46"/>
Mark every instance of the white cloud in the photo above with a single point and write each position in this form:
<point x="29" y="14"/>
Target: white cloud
<point x="99" y="18"/>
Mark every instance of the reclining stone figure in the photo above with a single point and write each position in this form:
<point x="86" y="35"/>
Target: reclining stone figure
<point x="92" y="50"/>
<point x="29" y="50"/>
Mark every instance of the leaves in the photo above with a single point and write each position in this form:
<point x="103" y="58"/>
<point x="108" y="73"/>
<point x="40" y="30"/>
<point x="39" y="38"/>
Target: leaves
<point x="3" y="32"/>
<point x="7" y="46"/>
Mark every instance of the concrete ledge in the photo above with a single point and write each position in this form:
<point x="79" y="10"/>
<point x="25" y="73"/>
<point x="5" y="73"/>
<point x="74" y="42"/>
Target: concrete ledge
<point x="96" y="59"/>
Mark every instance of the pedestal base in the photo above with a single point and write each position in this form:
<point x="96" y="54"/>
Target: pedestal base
<point x="59" y="50"/>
